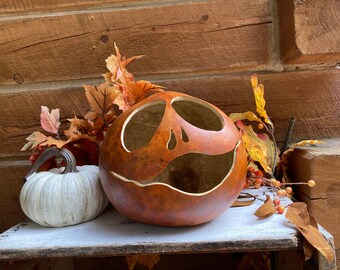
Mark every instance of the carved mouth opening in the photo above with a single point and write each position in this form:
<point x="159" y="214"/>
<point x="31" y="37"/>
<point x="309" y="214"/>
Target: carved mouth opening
<point x="195" y="173"/>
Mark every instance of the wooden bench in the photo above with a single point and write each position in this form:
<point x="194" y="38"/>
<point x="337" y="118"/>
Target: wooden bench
<point x="111" y="234"/>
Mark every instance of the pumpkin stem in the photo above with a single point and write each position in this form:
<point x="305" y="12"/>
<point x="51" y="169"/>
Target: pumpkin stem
<point x="65" y="154"/>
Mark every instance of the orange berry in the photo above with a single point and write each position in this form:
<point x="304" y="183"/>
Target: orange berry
<point x="289" y="190"/>
<point x="276" y="183"/>
<point x="251" y="169"/>
<point x="259" y="173"/>
<point x="258" y="181"/>
<point x="257" y="186"/>
<point x="280" y="209"/>
<point x="281" y="193"/>
<point x="311" y="183"/>
<point x="276" y="201"/>
<point x="260" y="126"/>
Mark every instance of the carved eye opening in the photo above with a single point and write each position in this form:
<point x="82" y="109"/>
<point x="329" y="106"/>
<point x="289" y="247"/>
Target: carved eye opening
<point x="197" y="113"/>
<point x="142" y="124"/>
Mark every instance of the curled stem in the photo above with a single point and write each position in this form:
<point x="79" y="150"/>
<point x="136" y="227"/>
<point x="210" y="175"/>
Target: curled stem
<point x="65" y="154"/>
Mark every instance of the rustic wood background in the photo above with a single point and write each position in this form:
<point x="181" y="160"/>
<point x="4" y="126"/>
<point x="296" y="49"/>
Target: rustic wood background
<point x="208" y="49"/>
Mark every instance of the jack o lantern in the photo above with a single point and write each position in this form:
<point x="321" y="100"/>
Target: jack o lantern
<point x="172" y="160"/>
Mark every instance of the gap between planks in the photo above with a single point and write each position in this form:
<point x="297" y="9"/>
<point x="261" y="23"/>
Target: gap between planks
<point x="155" y="78"/>
<point x="74" y="11"/>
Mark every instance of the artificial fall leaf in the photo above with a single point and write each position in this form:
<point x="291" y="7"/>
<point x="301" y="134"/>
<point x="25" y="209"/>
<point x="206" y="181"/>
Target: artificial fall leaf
<point x="147" y="260"/>
<point x="267" y="209"/>
<point x="116" y="64"/>
<point x="50" y="121"/>
<point x="297" y="213"/>
<point x="137" y="91"/>
<point x="100" y="98"/>
<point x="259" y="99"/>
<point x="78" y="126"/>
<point x="257" y="149"/>
<point x="33" y="140"/>
<point x="52" y="141"/>
<point x="119" y="101"/>
<point x="242" y="116"/>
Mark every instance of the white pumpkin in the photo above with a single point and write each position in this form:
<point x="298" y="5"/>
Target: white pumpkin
<point x="56" y="198"/>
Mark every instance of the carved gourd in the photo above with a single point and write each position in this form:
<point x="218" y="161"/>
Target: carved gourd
<point x="172" y="160"/>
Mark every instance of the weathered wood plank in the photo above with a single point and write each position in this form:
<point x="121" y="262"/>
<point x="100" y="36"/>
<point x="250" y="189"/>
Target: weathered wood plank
<point x="322" y="164"/>
<point x="288" y="94"/>
<point x="16" y="7"/>
<point x="310" y="31"/>
<point x="187" y="37"/>
<point x="11" y="181"/>
<point x="41" y="264"/>
<point x="236" y="230"/>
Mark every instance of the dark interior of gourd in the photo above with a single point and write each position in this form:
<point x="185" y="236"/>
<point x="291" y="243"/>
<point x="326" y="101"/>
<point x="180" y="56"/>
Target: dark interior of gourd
<point x="192" y="172"/>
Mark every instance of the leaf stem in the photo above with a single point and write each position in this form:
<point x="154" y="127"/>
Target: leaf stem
<point x="289" y="134"/>
<point x="270" y="130"/>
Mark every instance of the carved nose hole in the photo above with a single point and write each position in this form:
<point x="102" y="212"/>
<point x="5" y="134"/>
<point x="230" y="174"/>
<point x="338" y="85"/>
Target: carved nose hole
<point x="184" y="136"/>
<point x="172" y="142"/>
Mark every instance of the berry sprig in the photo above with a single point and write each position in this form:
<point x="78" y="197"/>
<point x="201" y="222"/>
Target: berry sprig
<point x="257" y="178"/>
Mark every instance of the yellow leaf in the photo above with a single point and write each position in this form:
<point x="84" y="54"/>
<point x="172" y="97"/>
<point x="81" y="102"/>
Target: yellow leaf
<point x="147" y="260"/>
<point x="254" y="80"/>
<point x="267" y="209"/>
<point x="297" y="213"/>
<point x="247" y="115"/>
<point x="257" y="149"/>
<point x="259" y="99"/>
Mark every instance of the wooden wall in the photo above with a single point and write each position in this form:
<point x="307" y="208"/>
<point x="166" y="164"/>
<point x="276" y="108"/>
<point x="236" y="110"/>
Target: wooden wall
<point x="209" y="49"/>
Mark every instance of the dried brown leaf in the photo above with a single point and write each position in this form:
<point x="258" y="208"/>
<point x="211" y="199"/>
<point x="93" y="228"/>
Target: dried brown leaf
<point x="267" y="209"/>
<point x="147" y="260"/>
<point x="297" y="213"/>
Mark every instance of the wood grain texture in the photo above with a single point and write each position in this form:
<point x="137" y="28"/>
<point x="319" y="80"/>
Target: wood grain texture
<point x="288" y="94"/>
<point x="322" y="164"/>
<point x="11" y="181"/>
<point x="18" y="7"/>
<point x="310" y="31"/>
<point x="113" y="234"/>
<point x="177" y="38"/>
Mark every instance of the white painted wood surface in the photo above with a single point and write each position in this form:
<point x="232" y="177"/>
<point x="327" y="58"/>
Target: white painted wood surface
<point x="112" y="234"/>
